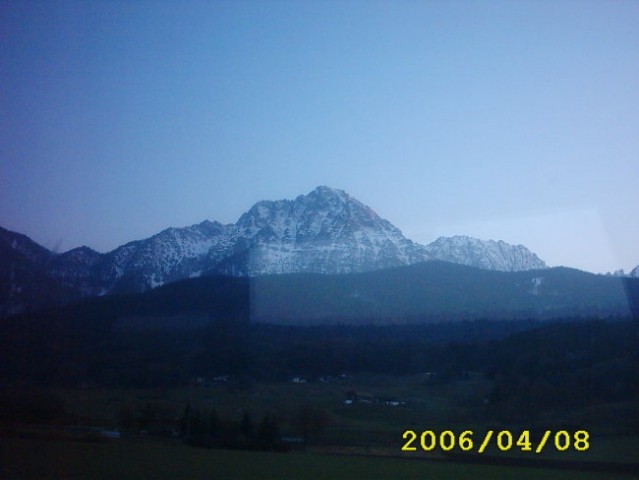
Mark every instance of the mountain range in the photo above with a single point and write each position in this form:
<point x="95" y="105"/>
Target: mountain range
<point x="326" y="231"/>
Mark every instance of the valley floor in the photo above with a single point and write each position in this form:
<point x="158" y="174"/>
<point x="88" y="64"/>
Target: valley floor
<point x="138" y="459"/>
<point x="361" y="436"/>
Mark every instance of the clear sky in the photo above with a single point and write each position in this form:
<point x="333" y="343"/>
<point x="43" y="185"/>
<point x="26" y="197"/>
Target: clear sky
<point x="504" y="120"/>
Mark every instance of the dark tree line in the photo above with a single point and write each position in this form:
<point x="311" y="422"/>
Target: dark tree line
<point x="535" y="367"/>
<point x="211" y="431"/>
<point x="206" y="428"/>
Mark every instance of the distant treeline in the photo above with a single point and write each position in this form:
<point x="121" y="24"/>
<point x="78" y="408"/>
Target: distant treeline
<point x="68" y="352"/>
<point x="534" y="366"/>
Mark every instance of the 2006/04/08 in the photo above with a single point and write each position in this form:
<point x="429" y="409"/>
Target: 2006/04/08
<point x="447" y="441"/>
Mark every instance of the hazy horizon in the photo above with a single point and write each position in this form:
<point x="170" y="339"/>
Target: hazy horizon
<point x="513" y="121"/>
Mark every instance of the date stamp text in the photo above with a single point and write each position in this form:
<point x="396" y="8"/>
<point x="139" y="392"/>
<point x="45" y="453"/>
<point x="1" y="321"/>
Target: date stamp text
<point x="504" y="440"/>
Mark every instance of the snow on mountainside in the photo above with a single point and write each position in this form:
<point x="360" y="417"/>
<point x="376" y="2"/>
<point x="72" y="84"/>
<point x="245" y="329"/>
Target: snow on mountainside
<point x="325" y="231"/>
<point x="173" y="254"/>
<point x="489" y="255"/>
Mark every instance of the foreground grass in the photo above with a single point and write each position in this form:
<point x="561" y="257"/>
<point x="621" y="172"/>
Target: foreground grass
<point x="144" y="459"/>
<point x="455" y="406"/>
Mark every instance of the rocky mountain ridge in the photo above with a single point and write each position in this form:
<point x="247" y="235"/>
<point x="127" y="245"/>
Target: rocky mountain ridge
<point x="326" y="231"/>
<point x="634" y="273"/>
<point x="489" y="255"/>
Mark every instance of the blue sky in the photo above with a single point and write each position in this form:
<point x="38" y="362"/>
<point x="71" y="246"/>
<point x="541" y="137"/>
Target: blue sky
<point x="515" y="121"/>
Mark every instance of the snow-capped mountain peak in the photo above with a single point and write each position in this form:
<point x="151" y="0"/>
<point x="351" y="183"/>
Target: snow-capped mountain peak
<point x="324" y="231"/>
<point x="486" y="254"/>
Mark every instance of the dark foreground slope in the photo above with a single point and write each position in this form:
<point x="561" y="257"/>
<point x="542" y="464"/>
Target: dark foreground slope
<point x="439" y="291"/>
<point x="431" y="291"/>
<point x="221" y="325"/>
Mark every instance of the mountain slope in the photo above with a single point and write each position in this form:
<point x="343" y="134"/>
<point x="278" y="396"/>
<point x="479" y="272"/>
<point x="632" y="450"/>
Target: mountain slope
<point x="173" y="254"/>
<point x="431" y="291"/>
<point x="440" y="291"/>
<point x="489" y="255"/>
<point x="24" y="276"/>
<point x="326" y="231"/>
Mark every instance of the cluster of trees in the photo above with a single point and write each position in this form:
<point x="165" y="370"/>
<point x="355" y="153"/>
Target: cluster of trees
<point x="211" y="431"/>
<point x="199" y="427"/>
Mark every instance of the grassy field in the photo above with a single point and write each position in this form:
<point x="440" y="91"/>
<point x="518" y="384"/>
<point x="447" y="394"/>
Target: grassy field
<point x="145" y="459"/>
<point x="426" y="406"/>
<point x="366" y="436"/>
<point x="456" y="406"/>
